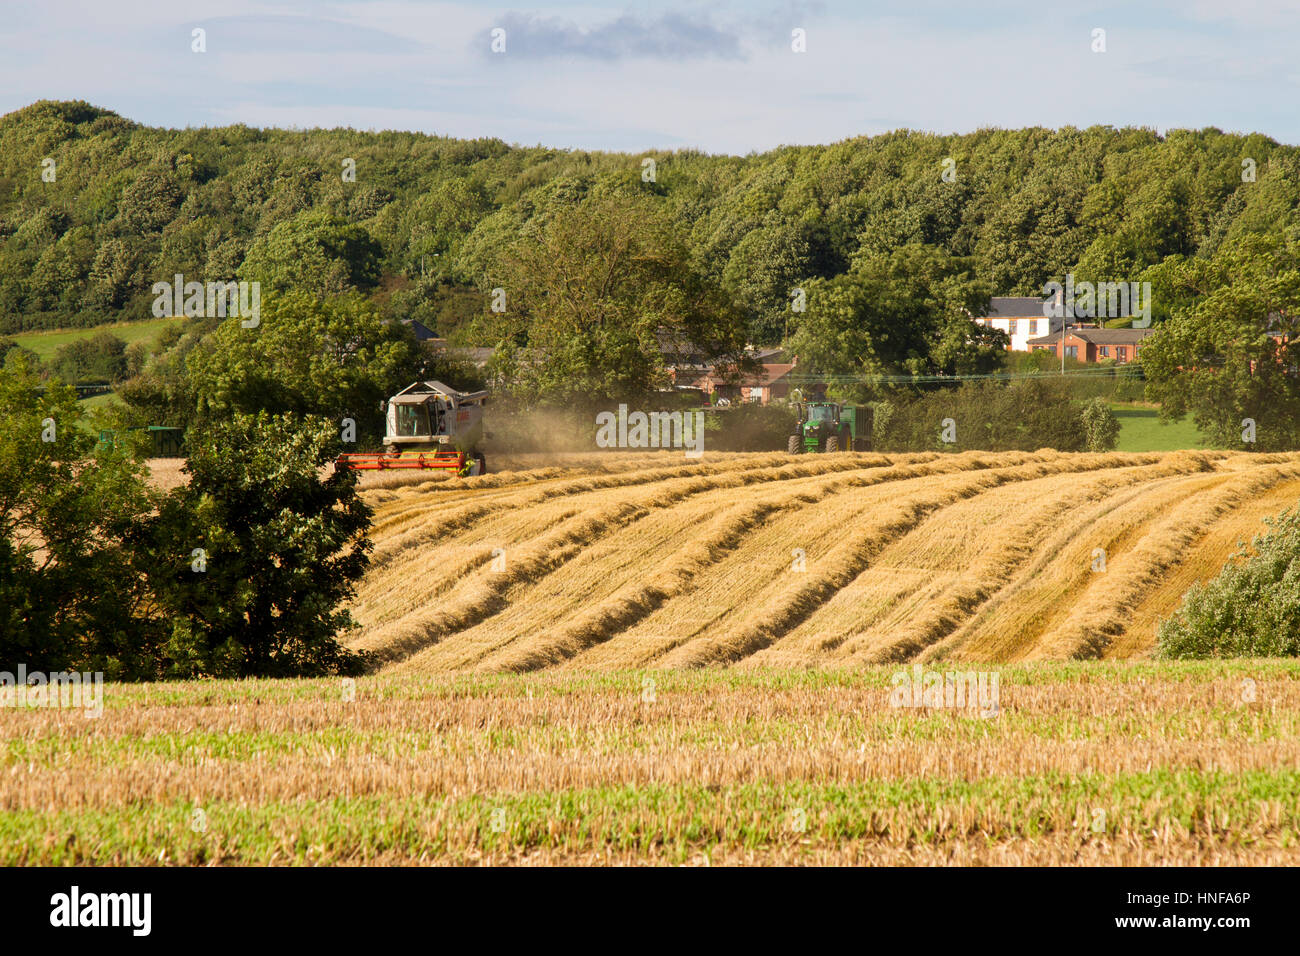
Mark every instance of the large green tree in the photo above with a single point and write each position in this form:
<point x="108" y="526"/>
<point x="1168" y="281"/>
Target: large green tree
<point x="1228" y="356"/>
<point x="766" y="267"/>
<point x="99" y="358"/>
<point x="906" y="315"/>
<point x="315" y="252"/>
<point x="590" y="290"/>
<point x="71" y="587"/>
<point x="256" y="553"/>
<point x="332" y="357"/>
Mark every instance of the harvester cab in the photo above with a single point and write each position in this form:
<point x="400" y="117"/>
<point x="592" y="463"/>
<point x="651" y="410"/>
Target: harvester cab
<point x="429" y="425"/>
<point x="831" y="427"/>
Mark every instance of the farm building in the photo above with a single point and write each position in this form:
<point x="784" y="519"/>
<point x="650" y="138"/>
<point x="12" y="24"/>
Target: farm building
<point x="772" y="382"/>
<point x="1094" y="345"/>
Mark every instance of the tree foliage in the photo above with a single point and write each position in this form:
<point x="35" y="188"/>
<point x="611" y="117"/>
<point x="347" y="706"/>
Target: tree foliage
<point x="71" y="591"/>
<point x="902" y="315"/>
<point x="258" y="551"/>
<point x="133" y="205"/>
<point x="314" y="252"/>
<point x="1251" y="609"/>
<point x="335" y="358"/>
<point x="1227" y="356"/>
<point x="1100" y="426"/>
<point x="590" y="289"/>
<point x="1025" y="415"/>
<point x="240" y="572"/>
<point x="98" y="359"/>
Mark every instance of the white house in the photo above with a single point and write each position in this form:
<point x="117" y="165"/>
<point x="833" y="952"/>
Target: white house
<point x="1021" y="317"/>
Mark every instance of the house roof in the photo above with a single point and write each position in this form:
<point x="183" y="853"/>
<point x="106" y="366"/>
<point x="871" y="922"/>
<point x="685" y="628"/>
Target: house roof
<point x="679" y="353"/>
<point x="1014" y="306"/>
<point x="690" y="356"/>
<point x="1028" y="307"/>
<point x="1097" y="336"/>
<point x="422" y="332"/>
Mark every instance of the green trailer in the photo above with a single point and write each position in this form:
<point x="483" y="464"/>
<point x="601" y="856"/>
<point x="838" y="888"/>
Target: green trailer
<point x="164" y="441"/>
<point x="831" y="427"/>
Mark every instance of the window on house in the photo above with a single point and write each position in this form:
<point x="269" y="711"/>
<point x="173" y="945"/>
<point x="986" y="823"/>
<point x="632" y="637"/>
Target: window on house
<point x="1072" y="351"/>
<point x="1121" y="353"/>
<point x="1103" y="351"/>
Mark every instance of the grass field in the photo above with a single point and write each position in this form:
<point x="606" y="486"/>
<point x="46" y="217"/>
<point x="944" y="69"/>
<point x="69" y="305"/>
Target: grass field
<point x="1142" y="430"/>
<point x="1083" y="763"/>
<point x="45" y="343"/>
<point x="828" y="561"/>
<point x="105" y="400"/>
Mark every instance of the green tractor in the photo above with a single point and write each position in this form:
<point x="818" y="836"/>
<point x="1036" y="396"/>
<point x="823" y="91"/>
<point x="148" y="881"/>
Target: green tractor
<point x="830" y="426"/>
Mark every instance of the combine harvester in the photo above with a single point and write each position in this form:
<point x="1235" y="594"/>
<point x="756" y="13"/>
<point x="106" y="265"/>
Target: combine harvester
<point x="429" y="425"/>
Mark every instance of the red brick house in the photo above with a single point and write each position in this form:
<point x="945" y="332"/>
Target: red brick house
<point x="772" y="382"/>
<point x="1095" y="345"/>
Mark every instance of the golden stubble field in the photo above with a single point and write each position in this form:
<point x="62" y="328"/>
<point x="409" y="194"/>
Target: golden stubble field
<point x="771" y="560"/>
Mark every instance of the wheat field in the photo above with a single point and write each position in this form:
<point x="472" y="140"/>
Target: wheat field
<point x="652" y="560"/>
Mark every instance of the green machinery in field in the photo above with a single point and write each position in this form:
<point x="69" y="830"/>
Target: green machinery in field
<point x="164" y="441"/>
<point x="830" y="426"/>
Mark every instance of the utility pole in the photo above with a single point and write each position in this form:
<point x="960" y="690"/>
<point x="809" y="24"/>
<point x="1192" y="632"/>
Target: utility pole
<point x="1060" y="301"/>
<point x="1063" y="341"/>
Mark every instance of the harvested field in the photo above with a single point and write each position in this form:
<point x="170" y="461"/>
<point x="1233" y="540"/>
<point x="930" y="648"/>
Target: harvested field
<point x="642" y="659"/>
<point x="652" y="560"/>
<point x="1083" y="763"/>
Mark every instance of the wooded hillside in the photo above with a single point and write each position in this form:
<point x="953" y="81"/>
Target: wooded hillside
<point x="131" y="205"/>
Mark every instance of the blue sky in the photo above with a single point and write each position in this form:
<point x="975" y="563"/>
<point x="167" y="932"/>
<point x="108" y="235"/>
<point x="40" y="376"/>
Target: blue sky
<point x="721" y="77"/>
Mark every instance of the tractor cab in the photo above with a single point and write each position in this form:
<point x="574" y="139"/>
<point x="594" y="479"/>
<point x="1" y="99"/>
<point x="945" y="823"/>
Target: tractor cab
<point x="819" y="413"/>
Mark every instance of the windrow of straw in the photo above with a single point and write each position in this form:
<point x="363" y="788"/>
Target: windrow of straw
<point x="663" y="562"/>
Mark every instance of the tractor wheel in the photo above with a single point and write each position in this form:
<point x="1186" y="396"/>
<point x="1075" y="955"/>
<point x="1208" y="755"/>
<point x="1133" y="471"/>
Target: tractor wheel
<point x="482" y="463"/>
<point x="793" y="445"/>
<point x="832" y="444"/>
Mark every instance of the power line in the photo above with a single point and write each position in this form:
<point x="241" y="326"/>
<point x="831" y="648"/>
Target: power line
<point x="865" y="379"/>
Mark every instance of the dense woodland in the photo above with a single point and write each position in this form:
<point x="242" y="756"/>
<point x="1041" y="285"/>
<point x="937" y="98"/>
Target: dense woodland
<point x="132" y="205"/>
